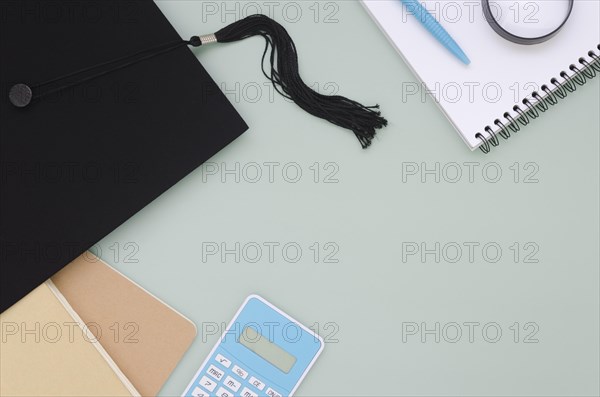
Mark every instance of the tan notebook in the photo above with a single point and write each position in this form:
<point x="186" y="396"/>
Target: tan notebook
<point x="144" y="336"/>
<point x="46" y="351"/>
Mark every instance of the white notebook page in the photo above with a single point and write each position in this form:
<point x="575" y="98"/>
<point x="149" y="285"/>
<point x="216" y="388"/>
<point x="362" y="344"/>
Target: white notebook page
<point x="501" y="73"/>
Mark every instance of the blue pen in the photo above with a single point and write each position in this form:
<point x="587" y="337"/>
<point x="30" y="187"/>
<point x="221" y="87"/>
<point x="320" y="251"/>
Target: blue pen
<point x="433" y="26"/>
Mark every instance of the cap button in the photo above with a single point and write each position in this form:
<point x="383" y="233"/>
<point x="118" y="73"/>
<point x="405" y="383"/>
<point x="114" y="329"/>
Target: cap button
<point x="20" y="95"/>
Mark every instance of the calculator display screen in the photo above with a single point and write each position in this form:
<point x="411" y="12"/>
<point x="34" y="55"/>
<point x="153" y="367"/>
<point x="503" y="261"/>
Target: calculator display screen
<point x="267" y="350"/>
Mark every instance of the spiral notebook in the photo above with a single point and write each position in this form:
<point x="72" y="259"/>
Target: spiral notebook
<point x="507" y="85"/>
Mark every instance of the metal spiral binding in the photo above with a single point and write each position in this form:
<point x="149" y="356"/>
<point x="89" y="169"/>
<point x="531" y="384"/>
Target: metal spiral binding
<point x="560" y="89"/>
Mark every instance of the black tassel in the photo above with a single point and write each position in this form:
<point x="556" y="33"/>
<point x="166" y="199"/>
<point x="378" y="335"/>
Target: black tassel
<point x="284" y="74"/>
<point x="339" y="110"/>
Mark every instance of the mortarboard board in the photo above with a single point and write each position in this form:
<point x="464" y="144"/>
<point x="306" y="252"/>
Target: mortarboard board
<point x="103" y="108"/>
<point x="80" y="163"/>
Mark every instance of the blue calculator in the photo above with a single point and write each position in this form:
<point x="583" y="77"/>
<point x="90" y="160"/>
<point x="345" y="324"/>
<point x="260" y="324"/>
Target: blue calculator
<point x="263" y="352"/>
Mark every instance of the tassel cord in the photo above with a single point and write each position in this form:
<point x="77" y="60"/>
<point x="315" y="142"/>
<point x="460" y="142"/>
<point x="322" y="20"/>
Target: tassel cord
<point x="125" y="61"/>
<point x="285" y="76"/>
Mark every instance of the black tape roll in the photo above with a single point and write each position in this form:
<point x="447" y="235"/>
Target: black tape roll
<point x="487" y="11"/>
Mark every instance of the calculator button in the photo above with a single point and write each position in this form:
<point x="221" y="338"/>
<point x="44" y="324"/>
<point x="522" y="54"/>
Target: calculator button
<point x="224" y="393"/>
<point x="248" y="393"/>
<point x="232" y="383"/>
<point x="215" y="372"/>
<point x="198" y="392"/>
<point x="223" y="361"/>
<point x="272" y="393"/>
<point x="240" y="372"/>
<point x="209" y="384"/>
<point x="256" y="383"/>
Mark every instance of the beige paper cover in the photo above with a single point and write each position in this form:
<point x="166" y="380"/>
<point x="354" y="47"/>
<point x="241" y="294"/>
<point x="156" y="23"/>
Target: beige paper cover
<point x="144" y="336"/>
<point x="44" y="351"/>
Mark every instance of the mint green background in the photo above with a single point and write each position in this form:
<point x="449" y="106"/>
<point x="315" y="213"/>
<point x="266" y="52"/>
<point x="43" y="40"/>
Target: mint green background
<point x="369" y="213"/>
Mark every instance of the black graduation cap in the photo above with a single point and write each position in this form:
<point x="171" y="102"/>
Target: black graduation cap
<point x="103" y="107"/>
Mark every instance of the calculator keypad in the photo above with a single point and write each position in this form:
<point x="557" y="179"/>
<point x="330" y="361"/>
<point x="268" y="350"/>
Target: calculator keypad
<point x="208" y="384"/>
<point x="198" y="392"/>
<point x="224" y="361"/>
<point x="224" y="393"/>
<point x="230" y="379"/>
<point x="248" y="393"/>
<point x="240" y="372"/>
<point x="272" y="393"/>
<point x="215" y="372"/>
<point x="256" y="383"/>
<point x="232" y="383"/>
